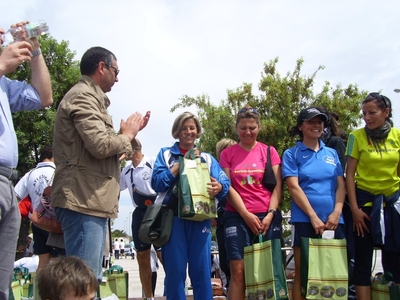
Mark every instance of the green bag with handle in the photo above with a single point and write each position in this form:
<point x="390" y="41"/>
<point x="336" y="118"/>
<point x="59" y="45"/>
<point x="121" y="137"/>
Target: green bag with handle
<point x="264" y="273"/>
<point x="117" y="283"/>
<point x="324" y="271"/>
<point x="25" y="278"/>
<point x="194" y="202"/>
<point x="383" y="288"/>
<point x="16" y="289"/>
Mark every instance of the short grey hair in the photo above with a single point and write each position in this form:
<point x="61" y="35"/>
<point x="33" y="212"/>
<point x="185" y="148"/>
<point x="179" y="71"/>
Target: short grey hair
<point x="182" y="118"/>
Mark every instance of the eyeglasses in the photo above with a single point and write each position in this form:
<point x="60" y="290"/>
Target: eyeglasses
<point x="378" y="96"/>
<point x="116" y="71"/>
<point x="248" y="109"/>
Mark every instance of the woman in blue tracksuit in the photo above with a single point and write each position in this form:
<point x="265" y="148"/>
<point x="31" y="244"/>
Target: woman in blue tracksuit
<point x="190" y="241"/>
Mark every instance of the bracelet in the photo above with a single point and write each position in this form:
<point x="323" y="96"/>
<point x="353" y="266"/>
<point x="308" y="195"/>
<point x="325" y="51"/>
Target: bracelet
<point x="272" y="211"/>
<point x="36" y="52"/>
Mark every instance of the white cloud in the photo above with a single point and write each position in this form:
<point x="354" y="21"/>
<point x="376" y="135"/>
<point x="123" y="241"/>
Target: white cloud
<point x="169" y="48"/>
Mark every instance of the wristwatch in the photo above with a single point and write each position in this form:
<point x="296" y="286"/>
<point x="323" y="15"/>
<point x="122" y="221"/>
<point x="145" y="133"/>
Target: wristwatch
<point x="36" y="52"/>
<point x="272" y="211"/>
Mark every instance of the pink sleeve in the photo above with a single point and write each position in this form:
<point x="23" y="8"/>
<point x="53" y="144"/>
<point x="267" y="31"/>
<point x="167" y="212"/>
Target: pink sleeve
<point x="223" y="162"/>
<point x="275" y="158"/>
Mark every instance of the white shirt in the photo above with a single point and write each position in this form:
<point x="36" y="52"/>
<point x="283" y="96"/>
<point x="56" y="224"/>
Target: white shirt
<point x="35" y="181"/>
<point x="116" y="245"/>
<point x="141" y="177"/>
<point x="28" y="262"/>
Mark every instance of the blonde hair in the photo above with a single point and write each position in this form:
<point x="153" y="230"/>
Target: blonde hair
<point x="222" y="144"/>
<point x="182" y="118"/>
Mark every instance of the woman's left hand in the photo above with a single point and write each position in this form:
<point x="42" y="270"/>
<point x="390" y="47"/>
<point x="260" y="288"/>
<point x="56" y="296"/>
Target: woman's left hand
<point x="266" y="223"/>
<point x="213" y="187"/>
<point x="196" y="152"/>
<point x="332" y="221"/>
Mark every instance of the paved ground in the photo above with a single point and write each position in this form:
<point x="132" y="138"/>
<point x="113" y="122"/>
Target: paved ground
<point x="135" y="287"/>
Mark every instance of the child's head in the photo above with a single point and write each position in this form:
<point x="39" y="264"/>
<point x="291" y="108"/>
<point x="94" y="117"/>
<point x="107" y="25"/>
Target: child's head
<point x="222" y="144"/>
<point x="67" y="278"/>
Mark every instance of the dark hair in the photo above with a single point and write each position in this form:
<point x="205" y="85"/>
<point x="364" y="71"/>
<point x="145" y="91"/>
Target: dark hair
<point x="378" y="136"/>
<point x="92" y="57"/>
<point x="304" y="115"/>
<point x="382" y="102"/>
<point x="248" y="112"/>
<point x="46" y="153"/>
<point x="65" y="275"/>
<point x="333" y="124"/>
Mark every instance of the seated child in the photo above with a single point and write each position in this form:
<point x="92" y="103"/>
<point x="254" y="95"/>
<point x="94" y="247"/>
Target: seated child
<point x="67" y="278"/>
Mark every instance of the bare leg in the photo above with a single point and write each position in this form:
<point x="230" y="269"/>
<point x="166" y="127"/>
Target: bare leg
<point x="145" y="273"/>
<point x="236" y="289"/>
<point x="43" y="261"/>
<point x="363" y="292"/>
<point x="296" y="291"/>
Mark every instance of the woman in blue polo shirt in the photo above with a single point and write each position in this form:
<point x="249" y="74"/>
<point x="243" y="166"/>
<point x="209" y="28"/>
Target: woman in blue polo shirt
<point x="314" y="176"/>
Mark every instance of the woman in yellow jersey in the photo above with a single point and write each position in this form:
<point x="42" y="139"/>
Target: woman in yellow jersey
<point x="372" y="181"/>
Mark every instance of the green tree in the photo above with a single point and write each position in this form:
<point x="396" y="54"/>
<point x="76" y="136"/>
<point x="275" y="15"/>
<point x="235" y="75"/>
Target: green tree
<point x="279" y="102"/>
<point x="118" y="233"/>
<point x="35" y="128"/>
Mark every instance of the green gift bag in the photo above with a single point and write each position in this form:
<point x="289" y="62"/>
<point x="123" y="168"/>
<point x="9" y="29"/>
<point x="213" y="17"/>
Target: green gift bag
<point x="263" y="269"/>
<point x="324" y="272"/>
<point x="117" y="283"/>
<point x="15" y="292"/>
<point x="194" y="201"/>
<point x="394" y="291"/>
<point x="25" y="278"/>
<point x="382" y="288"/>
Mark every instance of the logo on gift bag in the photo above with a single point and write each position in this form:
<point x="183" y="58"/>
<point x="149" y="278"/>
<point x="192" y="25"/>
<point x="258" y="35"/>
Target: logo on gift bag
<point x="341" y="292"/>
<point x="199" y="206"/>
<point x="282" y="293"/>
<point x="327" y="291"/>
<point x="313" y="290"/>
<point x="185" y="209"/>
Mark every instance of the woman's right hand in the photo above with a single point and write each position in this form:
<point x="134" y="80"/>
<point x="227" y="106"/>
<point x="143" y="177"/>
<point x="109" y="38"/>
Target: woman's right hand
<point x="359" y="221"/>
<point x="253" y="222"/>
<point x="317" y="224"/>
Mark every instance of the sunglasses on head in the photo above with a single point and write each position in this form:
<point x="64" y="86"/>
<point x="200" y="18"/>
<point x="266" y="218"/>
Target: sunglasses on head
<point x="380" y="97"/>
<point x="248" y="109"/>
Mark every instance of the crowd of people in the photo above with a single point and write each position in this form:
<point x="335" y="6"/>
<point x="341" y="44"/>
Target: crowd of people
<point x="83" y="169"/>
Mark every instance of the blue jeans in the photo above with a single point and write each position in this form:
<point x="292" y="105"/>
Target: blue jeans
<point x="10" y="221"/>
<point x="84" y="237"/>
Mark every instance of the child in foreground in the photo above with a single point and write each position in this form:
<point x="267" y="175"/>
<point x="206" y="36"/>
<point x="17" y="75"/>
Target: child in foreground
<point x="67" y="278"/>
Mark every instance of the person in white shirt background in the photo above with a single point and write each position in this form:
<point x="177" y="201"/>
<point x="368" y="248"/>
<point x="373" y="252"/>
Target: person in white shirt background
<point x="136" y="177"/>
<point x="116" y="249"/>
<point x="33" y="184"/>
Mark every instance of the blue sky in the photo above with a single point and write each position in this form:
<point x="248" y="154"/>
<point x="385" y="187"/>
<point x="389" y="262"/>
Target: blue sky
<point x="166" y="49"/>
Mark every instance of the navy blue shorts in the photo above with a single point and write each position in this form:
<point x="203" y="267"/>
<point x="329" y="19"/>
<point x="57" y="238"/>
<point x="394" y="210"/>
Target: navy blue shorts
<point x="306" y="230"/>
<point x="137" y="219"/>
<point x="238" y="235"/>
<point x="40" y="237"/>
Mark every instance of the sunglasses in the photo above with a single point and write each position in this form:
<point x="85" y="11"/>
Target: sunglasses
<point x="380" y="97"/>
<point x="116" y="71"/>
<point x="248" y="109"/>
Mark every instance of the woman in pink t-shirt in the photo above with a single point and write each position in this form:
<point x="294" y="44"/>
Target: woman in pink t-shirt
<point x="251" y="208"/>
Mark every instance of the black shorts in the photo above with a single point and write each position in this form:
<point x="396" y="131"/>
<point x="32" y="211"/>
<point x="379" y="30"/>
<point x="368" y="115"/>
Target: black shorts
<point x="40" y="237"/>
<point x="306" y="230"/>
<point x="137" y="219"/>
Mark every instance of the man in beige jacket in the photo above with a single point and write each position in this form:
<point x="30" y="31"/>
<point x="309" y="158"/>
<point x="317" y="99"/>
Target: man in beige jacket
<point x="87" y="152"/>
